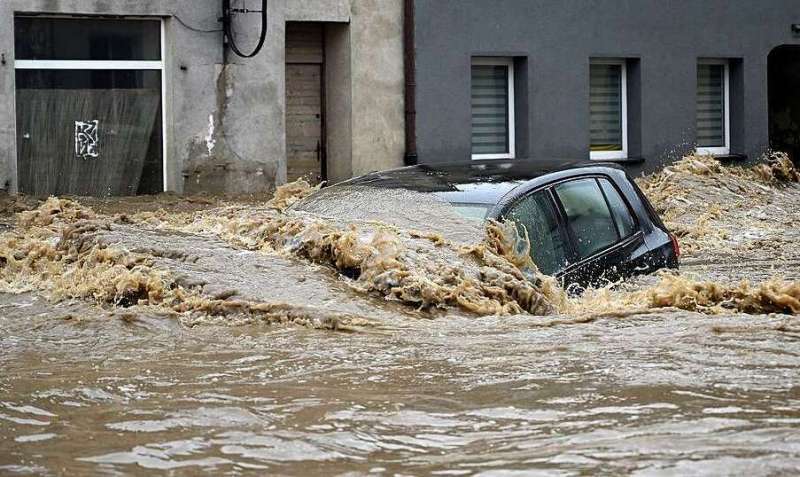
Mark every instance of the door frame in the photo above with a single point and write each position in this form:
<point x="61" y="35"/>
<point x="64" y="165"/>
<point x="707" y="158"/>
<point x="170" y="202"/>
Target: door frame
<point x="323" y="141"/>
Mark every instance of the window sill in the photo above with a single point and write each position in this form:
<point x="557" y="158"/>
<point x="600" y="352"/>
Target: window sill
<point x="731" y="157"/>
<point x="622" y="160"/>
<point x="484" y="157"/>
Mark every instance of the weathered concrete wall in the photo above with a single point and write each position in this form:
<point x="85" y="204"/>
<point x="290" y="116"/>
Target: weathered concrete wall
<point x="558" y="37"/>
<point x="378" y="85"/>
<point x="365" y="90"/>
<point x="249" y="141"/>
<point x="226" y="119"/>
<point x="8" y="137"/>
<point x="339" y="100"/>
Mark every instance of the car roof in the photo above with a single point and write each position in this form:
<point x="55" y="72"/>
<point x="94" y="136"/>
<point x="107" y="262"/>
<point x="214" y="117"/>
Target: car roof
<point x="477" y="182"/>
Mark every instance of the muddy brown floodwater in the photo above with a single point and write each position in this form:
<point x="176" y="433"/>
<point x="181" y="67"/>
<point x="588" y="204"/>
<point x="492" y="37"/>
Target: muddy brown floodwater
<point x="236" y="338"/>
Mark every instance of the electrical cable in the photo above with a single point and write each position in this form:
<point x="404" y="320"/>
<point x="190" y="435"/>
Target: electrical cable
<point x="198" y="30"/>
<point x="228" y="28"/>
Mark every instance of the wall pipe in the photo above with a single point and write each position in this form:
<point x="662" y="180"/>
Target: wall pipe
<point x="410" y="71"/>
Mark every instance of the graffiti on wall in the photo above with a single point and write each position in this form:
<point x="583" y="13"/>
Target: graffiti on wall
<point x="86" y="143"/>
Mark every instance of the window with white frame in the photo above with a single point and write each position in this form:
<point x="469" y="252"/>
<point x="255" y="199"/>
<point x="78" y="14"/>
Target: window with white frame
<point x="713" y="107"/>
<point x="90" y="111"/>
<point x="608" y="109"/>
<point x="493" y="133"/>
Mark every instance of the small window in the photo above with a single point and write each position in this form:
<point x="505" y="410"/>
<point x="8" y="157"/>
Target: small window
<point x="536" y="214"/>
<point x="713" y="107"/>
<point x="492" y="108"/>
<point x="608" y="109"/>
<point x="588" y="216"/>
<point x="626" y="226"/>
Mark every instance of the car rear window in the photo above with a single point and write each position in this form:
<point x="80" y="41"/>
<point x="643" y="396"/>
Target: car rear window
<point x="588" y="215"/>
<point x="622" y="214"/>
<point x="647" y="205"/>
<point x="535" y="213"/>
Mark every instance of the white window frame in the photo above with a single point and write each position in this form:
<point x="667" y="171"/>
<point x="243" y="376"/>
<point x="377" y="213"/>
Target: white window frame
<point x="623" y="153"/>
<point x="726" y="85"/>
<point x="512" y="136"/>
<point x="114" y="65"/>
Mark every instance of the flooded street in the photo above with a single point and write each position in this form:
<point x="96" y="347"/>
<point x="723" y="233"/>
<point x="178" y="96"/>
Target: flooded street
<point x="675" y="393"/>
<point x="243" y="339"/>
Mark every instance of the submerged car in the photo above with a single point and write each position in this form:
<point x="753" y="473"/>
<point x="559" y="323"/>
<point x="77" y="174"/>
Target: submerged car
<point x="588" y="223"/>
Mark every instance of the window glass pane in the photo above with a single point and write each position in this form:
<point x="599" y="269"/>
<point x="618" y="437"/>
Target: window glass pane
<point x="621" y="212"/>
<point x="710" y="105"/>
<point x="490" y="108"/>
<point x="476" y="212"/>
<point x="588" y="216"/>
<point x="94" y="133"/>
<point x="535" y="214"/>
<point x="605" y="107"/>
<point x="86" y="39"/>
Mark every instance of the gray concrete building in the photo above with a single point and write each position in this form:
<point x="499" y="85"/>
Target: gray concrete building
<point x="626" y="80"/>
<point x="101" y="97"/>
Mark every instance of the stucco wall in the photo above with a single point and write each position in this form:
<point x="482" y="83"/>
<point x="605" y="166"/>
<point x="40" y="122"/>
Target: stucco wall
<point x="225" y="120"/>
<point x="378" y="85"/>
<point x="339" y="101"/>
<point x="7" y="108"/>
<point x="558" y="37"/>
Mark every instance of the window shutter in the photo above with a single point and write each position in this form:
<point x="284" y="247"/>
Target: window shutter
<point x="605" y="109"/>
<point x="710" y="105"/>
<point x="490" y="109"/>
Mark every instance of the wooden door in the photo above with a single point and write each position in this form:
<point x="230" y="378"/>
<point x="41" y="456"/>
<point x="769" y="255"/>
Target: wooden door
<point x="304" y="141"/>
<point x="305" y="120"/>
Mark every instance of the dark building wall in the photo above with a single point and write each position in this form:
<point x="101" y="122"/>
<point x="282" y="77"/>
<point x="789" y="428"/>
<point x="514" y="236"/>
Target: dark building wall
<point x="553" y="41"/>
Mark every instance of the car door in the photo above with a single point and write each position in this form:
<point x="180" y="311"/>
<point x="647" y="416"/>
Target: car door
<point x="536" y="213"/>
<point x="604" y="232"/>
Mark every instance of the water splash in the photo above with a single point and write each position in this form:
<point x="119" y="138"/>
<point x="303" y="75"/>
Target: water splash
<point x="59" y="249"/>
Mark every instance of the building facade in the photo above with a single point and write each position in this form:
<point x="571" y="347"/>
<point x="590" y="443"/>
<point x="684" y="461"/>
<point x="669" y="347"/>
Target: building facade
<point x="636" y="81"/>
<point x="102" y="97"/>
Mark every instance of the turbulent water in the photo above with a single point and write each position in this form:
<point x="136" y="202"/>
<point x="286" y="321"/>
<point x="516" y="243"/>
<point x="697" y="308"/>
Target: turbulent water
<point x="245" y="338"/>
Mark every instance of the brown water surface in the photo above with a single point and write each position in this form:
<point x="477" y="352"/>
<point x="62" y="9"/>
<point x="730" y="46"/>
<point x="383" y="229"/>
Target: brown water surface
<point x="667" y="393"/>
<point x="270" y="352"/>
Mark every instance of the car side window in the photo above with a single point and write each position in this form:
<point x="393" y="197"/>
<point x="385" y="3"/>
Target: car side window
<point x="588" y="215"/>
<point x="622" y="214"/>
<point x="536" y="214"/>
